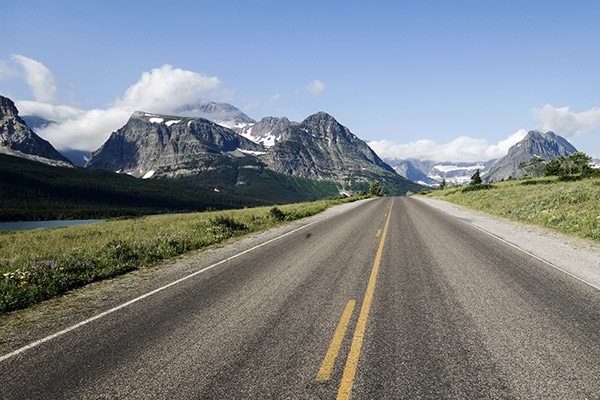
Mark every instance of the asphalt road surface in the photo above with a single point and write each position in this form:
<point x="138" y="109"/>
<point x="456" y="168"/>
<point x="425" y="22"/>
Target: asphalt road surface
<point x="388" y="300"/>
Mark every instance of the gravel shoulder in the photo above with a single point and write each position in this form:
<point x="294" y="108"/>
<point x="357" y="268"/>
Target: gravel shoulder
<point x="575" y="256"/>
<point x="22" y="327"/>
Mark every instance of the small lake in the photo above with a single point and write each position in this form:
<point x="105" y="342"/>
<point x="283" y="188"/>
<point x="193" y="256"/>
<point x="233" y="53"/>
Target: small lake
<point x="28" y="225"/>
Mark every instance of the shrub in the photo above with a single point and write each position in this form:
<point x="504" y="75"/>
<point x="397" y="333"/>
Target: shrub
<point x="277" y="214"/>
<point x="481" y="186"/>
<point x="228" y="223"/>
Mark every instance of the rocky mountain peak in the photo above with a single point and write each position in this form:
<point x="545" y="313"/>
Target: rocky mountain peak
<point x="149" y="142"/>
<point x="546" y="145"/>
<point x="321" y="148"/>
<point x="267" y="131"/>
<point x="18" y="140"/>
<point x="323" y="122"/>
<point x="223" y="114"/>
<point x="7" y="108"/>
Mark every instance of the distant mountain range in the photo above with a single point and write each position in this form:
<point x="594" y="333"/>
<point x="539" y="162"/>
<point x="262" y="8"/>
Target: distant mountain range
<point x="217" y="144"/>
<point x="431" y="173"/>
<point x="195" y="149"/>
<point x="546" y="145"/>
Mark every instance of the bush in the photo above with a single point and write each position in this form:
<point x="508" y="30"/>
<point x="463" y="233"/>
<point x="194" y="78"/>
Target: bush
<point x="277" y="214"/>
<point x="229" y="223"/>
<point x="481" y="186"/>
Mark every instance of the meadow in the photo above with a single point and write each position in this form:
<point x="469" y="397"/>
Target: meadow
<point x="568" y="206"/>
<point x="41" y="264"/>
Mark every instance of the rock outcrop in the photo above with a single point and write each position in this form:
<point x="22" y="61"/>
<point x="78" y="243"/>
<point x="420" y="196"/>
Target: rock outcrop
<point x="546" y="145"/>
<point x="149" y="142"/>
<point x="17" y="139"/>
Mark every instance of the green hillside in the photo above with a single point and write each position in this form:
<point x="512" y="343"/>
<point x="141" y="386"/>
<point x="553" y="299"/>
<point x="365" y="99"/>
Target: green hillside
<point x="569" y="206"/>
<point x="248" y="177"/>
<point x="34" y="191"/>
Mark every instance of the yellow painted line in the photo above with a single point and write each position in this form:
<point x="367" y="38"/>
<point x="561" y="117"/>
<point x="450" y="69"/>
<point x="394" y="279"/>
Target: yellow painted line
<point x="378" y="233"/>
<point x="336" y="343"/>
<point x="359" y="333"/>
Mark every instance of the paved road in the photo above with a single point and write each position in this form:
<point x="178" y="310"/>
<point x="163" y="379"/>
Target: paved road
<point x="432" y="308"/>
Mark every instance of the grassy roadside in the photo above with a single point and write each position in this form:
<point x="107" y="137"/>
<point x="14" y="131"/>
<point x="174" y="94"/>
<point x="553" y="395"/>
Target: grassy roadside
<point x="44" y="263"/>
<point x="567" y="206"/>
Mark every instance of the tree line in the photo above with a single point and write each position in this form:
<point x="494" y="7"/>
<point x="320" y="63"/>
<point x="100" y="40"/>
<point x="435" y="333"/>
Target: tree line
<point x="575" y="164"/>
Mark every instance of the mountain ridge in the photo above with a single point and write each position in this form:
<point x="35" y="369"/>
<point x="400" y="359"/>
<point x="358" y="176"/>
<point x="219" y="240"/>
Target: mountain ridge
<point x="546" y="145"/>
<point x="17" y="139"/>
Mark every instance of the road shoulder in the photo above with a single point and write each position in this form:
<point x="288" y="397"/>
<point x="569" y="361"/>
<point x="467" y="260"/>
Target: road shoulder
<point x="575" y="256"/>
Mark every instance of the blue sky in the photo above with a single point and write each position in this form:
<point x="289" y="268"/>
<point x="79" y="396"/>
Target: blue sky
<point x="452" y="80"/>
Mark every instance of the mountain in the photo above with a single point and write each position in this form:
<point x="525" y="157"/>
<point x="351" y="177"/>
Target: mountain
<point x="267" y="131"/>
<point x="321" y="148"/>
<point x="535" y="144"/>
<point x="36" y="122"/>
<point x="149" y="142"/>
<point x="77" y="157"/>
<point x="17" y="139"/>
<point x="220" y="113"/>
<point x="198" y="151"/>
<point x="430" y="173"/>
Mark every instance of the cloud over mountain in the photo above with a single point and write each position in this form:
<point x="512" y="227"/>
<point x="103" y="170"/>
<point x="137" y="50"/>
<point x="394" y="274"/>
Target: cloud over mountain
<point x="461" y="149"/>
<point x="42" y="82"/>
<point x="565" y="122"/>
<point x="159" y="90"/>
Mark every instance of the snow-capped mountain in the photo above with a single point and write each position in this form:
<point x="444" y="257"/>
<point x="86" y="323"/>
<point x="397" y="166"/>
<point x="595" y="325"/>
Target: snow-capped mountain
<point x="431" y="173"/>
<point x="267" y="131"/>
<point x="149" y="142"/>
<point x="223" y="114"/>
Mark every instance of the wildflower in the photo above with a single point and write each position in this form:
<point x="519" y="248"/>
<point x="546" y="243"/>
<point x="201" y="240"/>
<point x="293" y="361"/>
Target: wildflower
<point x="61" y="268"/>
<point x="23" y="284"/>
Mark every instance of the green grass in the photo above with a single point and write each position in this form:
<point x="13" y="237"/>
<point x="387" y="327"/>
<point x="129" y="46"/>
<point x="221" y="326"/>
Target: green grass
<point x="567" y="206"/>
<point x="44" y="263"/>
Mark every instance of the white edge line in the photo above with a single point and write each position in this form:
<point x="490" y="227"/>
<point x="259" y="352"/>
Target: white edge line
<point x="513" y="245"/>
<point x="530" y="254"/>
<point x="160" y="289"/>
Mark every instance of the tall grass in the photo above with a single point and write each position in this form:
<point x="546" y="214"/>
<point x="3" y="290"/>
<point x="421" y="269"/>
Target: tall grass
<point x="567" y="206"/>
<point x="40" y="264"/>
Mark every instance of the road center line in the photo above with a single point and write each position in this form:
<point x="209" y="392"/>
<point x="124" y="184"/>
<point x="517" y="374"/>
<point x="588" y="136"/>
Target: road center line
<point x="336" y="343"/>
<point x="378" y="233"/>
<point x="352" y="362"/>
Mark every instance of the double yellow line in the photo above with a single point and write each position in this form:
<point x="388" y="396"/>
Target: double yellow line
<point x="359" y="332"/>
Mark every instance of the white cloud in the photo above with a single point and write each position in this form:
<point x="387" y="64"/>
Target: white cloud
<point x="56" y="113"/>
<point x="160" y="90"/>
<point x="274" y="98"/>
<point x="251" y="106"/>
<point x="39" y="78"/>
<point x="165" y="88"/>
<point x="567" y="123"/>
<point x="315" y="88"/>
<point x="461" y="149"/>
<point x="6" y="72"/>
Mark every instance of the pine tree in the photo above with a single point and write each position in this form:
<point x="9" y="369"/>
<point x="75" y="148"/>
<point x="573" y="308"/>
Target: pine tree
<point x="476" y="179"/>
<point x="442" y="185"/>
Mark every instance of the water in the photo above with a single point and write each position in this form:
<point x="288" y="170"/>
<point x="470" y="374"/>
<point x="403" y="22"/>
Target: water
<point x="28" y="225"/>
